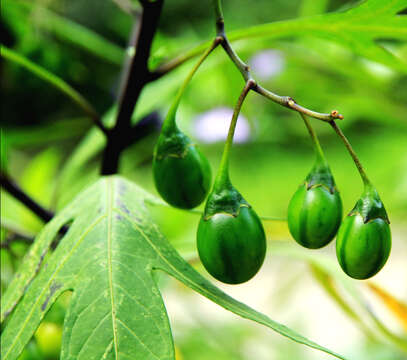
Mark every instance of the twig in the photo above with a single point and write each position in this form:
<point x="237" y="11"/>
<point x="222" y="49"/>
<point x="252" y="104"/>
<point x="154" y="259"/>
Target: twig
<point x="11" y="187"/>
<point x="16" y="238"/>
<point x="137" y="75"/>
<point x="285" y="101"/>
<point x="244" y="69"/>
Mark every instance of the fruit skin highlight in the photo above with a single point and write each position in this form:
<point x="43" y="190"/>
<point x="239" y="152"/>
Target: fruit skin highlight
<point x="231" y="240"/>
<point x="182" y="174"/>
<point x="315" y="210"/>
<point x="49" y="339"/>
<point x="363" y="243"/>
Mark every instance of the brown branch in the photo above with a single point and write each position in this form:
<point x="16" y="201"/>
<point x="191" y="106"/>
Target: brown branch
<point x="136" y="76"/>
<point x="13" y="189"/>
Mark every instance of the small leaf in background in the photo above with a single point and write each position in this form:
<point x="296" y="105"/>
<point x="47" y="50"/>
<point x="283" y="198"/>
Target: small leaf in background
<point x="397" y="307"/>
<point x="67" y="30"/>
<point x="313" y="7"/>
<point x="357" y="29"/>
<point x="327" y="282"/>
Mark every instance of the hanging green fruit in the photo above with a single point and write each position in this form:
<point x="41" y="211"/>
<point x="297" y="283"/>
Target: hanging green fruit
<point x="182" y="174"/>
<point x="315" y="210"/>
<point x="363" y="243"/>
<point x="364" y="240"/>
<point x="231" y="240"/>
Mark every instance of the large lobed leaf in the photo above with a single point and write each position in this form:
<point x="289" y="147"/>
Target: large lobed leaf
<point x="107" y="258"/>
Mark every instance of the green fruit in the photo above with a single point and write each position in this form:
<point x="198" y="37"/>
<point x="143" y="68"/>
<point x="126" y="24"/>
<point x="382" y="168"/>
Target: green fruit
<point x="182" y="174"/>
<point x="231" y="240"/>
<point x="315" y="210"/>
<point x="49" y="339"/>
<point x="364" y="240"/>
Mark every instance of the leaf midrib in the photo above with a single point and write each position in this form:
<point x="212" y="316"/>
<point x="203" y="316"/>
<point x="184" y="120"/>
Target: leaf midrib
<point x="109" y="205"/>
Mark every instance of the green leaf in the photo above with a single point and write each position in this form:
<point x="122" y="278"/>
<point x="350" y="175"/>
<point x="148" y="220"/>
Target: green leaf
<point x="356" y="29"/>
<point x="34" y="135"/>
<point x="313" y="7"/>
<point x="107" y="258"/>
<point x="70" y="31"/>
<point x="50" y="78"/>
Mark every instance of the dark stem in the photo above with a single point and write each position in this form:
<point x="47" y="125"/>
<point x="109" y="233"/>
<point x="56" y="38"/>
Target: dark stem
<point x="6" y="244"/>
<point x="136" y="76"/>
<point x="11" y="187"/>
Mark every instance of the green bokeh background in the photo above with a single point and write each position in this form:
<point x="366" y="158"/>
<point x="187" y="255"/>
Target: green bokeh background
<point x="41" y="129"/>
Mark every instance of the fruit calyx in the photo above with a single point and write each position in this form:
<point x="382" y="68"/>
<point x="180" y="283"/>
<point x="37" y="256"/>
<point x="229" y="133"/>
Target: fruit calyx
<point x="172" y="144"/>
<point x="321" y="175"/>
<point x="224" y="200"/>
<point x="370" y="206"/>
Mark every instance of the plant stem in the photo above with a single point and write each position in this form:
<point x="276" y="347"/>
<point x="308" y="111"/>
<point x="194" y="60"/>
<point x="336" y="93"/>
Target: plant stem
<point x="217" y="5"/>
<point x="169" y="122"/>
<point x="317" y="146"/>
<point x="13" y="189"/>
<point x="239" y="63"/>
<point x="57" y="82"/>
<point x="290" y="103"/>
<point x="244" y="69"/>
<point x="137" y="75"/>
<point x="352" y="153"/>
<point x="222" y="177"/>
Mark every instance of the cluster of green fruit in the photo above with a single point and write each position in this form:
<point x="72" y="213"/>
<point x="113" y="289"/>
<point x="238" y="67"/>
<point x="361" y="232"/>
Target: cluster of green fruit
<point x="363" y="239"/>
<point x="231" y="240"/>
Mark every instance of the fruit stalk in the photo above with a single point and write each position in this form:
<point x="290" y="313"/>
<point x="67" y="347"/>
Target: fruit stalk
<point x="317" y="147"/>
<point x="222" y="178"/>
<point x="352" y="153"/>
<point x="218" y="10"/>
<point x="169" y="122"/>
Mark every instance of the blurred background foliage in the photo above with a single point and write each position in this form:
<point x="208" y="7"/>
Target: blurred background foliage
<point x="53" y="152"/>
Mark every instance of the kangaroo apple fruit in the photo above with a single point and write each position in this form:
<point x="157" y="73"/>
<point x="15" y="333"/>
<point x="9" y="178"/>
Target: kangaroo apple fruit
<point x="364" y="240"/>
<point x="231" y="240"/>
<point x="182" y="174"/>
<point x="315" y="210"/>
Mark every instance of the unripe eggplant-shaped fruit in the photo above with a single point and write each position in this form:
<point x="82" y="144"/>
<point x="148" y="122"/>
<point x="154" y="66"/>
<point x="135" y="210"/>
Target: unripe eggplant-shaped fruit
<point x="49" y="339"/>
<point x="364" y="240"/>
<point x="182" y="174"/>
<point x="231" y="240"/>
<point x="315" y="210"/>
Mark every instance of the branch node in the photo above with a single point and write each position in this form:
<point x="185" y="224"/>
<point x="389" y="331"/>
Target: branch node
<point x="335" y="115"/>
<point x="219" y="39"/>
<point x="251" y="83"/>
<point x="290" y="102"/>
